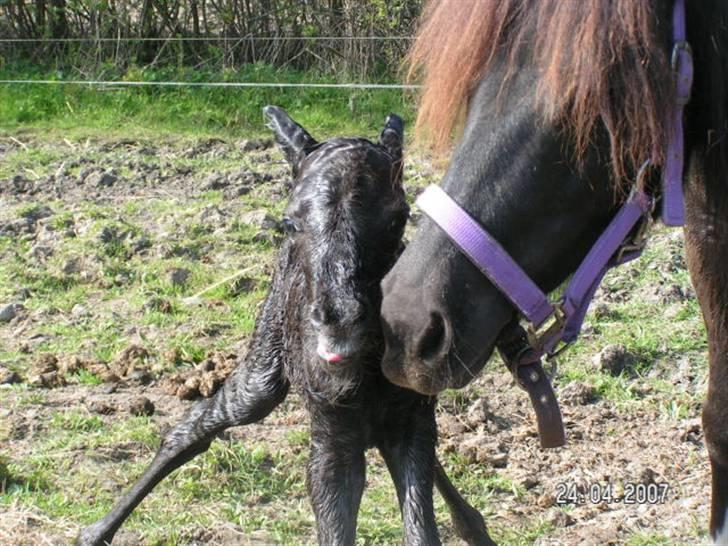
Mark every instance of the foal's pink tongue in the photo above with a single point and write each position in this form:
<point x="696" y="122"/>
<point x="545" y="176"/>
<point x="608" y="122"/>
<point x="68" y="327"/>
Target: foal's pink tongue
<point x="327" y="356"/>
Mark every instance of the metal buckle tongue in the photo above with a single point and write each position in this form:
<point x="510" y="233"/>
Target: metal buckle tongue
<point x="633" y="246"/>
<point x="543" y="337"/>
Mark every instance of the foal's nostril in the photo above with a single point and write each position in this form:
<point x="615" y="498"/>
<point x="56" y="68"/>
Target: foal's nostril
<point x="318" y="315"/>
<point x="435" y="339"/>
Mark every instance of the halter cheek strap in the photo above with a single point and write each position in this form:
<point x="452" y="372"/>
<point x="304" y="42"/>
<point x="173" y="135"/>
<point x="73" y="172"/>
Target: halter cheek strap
<point x="673" y="208"/>
<point x="554" y="324"/>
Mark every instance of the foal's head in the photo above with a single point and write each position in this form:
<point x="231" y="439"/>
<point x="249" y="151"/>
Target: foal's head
<point x="345" y="218"/>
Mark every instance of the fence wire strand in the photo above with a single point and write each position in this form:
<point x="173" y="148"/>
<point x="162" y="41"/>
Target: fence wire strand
<point x="207" y="39"/>
<point x="106" y="83"/>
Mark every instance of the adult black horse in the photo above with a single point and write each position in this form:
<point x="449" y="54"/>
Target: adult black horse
<point x="562" y="103"/>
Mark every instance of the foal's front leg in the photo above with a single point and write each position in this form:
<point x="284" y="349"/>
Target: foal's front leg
<point x="336" y="472"/>
<point x="409" y="452"/>
<point x="247" y="396"/>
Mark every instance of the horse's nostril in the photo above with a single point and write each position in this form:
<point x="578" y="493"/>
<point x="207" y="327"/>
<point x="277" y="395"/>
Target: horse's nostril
<point x="435" y="339"/>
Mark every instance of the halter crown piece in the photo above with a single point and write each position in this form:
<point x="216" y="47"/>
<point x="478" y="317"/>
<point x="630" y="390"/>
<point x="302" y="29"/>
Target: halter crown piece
<point x="554" y="326"/>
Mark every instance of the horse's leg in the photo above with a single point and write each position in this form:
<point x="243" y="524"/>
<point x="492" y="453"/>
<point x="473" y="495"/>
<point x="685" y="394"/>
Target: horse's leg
<point x="336" y="472"/>
<point x="468" y="522"/>
<point x="409" y="452"/>
<point x="706" y="243"/>
<point x="248" y="395"/>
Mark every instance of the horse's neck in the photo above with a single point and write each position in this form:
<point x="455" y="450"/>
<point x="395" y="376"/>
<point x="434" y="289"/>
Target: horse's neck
<point x="706" y="184"/>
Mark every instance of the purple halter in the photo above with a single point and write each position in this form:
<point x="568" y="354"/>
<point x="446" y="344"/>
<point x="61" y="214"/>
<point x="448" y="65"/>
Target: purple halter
<point x="551" y="324"/>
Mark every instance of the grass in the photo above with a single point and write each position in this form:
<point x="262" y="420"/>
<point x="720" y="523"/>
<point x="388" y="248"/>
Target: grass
<point x="129" y="281"/>
<point x="150" y="111"/>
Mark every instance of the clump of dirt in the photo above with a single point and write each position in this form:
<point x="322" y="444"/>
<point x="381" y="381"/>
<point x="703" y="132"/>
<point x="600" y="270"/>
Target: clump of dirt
<point x="48" y="371"/>
<point x="9" y="377"/>
<point x="141" y="405"/>
<point x="131" y="365"/>
<point x="614" y="359"/>
<point x="577" y="393"/>
<point x="203" y="380"/>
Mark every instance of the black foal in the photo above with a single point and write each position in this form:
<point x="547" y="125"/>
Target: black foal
<point x="319" y="330"/>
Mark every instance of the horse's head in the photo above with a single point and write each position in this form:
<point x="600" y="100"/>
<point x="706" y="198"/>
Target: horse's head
<point x="442" y="315"/>
<point x="345" y="217"/>
<point x="538" y="164"/>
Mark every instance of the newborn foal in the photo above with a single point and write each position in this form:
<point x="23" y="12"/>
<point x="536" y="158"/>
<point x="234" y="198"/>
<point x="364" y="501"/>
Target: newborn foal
<point x="319" y="330"/>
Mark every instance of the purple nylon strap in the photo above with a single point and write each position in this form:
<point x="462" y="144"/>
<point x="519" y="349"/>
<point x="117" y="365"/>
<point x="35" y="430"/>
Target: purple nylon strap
<point x="673" y="208"/>
<point x="601" y="257"/>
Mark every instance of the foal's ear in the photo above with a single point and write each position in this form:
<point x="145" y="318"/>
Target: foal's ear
<point x="392" y="137"/>
<point x="291" y="137"/>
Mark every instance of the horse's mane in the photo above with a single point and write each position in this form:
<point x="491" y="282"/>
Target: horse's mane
<point x="599" y="62"/>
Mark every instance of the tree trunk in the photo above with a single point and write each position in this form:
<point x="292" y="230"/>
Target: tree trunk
<point x="195" y="18"/>
<point x="40" y="16"/>
<point x="59" y="22"/>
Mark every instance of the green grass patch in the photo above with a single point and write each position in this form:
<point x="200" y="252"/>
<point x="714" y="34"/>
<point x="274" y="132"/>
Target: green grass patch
<point x="80" y="110"/>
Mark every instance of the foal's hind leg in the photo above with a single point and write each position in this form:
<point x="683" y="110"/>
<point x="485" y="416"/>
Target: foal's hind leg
<point x="409" y="451"/>
<point x="468" y="522"/>
<point x="248" y="395"/>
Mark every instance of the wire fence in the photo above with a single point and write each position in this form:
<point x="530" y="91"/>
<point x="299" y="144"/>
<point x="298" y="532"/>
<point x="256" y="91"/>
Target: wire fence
<point x="207" y="39"/>
<point x="121" y="83"/>
<point x="348" y="38"/>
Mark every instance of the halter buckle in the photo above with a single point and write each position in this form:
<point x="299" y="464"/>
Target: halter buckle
<point x="539" y="338"/>
<point x="633" y="246"/>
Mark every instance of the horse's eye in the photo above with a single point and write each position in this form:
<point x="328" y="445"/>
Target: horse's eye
<point x="399" y="221"/>
<point x="289" y="226"/>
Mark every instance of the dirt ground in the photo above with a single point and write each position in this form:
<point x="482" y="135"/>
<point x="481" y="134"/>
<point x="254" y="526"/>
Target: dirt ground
<point x="631" y="390"/>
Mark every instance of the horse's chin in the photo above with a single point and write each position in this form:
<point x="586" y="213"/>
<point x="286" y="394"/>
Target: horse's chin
<point x="418" y="383"/>
<point x="450" y="373"/>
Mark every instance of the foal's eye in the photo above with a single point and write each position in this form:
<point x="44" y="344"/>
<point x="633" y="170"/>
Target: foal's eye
<point x="289" y="226"/>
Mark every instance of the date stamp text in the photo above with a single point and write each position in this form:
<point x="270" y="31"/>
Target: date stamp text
<point x="597" y="493"/>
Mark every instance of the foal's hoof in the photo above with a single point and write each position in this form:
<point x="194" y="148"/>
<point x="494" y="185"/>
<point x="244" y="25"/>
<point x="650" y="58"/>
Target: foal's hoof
<point x="94" y="535"/>
<point x="470" y="526"/>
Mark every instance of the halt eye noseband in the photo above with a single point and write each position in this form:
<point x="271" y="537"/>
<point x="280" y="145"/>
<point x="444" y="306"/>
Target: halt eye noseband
<point x="551" y="327"/>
